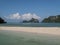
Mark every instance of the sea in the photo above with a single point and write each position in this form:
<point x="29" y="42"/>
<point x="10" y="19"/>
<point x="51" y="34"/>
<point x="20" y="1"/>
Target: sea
<point x="25" y="38"/>
<point x="32" y="24"/>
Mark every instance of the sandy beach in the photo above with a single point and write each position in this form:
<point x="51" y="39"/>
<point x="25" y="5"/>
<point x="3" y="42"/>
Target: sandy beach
<point x="46" y="30"/>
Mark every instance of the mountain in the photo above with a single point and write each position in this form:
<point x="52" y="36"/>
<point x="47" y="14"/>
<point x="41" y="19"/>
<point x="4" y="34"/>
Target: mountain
<point x="2" y="20"/>
<point x="33" y="20"/>
<point x="52" y="19"/>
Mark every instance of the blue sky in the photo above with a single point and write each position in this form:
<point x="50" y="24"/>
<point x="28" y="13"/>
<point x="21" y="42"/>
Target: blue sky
<point x="42" y="8"/>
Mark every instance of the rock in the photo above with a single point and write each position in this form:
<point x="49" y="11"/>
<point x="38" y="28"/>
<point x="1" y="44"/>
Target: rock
<point x="52" y="19"/>
<point x="33" y="20"/>
<point x="2" y="20"/>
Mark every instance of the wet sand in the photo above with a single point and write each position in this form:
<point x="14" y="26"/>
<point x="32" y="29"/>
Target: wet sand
<point x="44" y="30"/>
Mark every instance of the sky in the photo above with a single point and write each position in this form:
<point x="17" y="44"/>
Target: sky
<point x="17" y="10"/>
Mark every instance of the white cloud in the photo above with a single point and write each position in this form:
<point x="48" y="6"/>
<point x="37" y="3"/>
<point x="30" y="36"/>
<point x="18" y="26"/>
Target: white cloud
<point x="26" y="16"/>
<point x="35" y="16"/>
<point x="13" y="16"/>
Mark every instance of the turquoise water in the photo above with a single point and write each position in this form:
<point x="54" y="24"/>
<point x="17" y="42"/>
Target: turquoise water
<point x="32" y="24"/>
<point x="23" y="38"/>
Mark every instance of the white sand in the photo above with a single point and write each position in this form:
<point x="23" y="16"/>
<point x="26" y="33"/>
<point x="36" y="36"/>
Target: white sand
<point x="47" y="30"/>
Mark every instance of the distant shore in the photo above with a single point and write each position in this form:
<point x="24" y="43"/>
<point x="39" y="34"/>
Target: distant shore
<point x="46" y="30"/>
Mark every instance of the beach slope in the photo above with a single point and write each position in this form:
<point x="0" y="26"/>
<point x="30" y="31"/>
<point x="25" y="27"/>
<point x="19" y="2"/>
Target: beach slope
<point x="46" y="30"/>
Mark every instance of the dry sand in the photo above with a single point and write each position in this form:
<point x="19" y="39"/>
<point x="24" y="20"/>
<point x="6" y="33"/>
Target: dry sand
<point x="45" y="30"/>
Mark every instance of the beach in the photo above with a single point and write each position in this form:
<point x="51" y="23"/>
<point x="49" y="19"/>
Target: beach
<point x="29" y="35"/>
<point x="44" y="30"/>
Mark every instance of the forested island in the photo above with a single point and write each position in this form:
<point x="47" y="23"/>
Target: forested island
<point x="52" y="19"/>
<point x="2" y="20"/>
<point x="33" y="20"/>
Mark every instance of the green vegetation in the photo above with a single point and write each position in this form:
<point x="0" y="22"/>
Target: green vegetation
<point x="52" y="19"/>
<point x="33" y="20"/>
<point x="2" y="20"/>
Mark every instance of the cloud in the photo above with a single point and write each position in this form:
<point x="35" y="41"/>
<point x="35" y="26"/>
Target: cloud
<point x="13" y="16"/>
<point x="35" y="16"/>
<point x="26" y="16"/>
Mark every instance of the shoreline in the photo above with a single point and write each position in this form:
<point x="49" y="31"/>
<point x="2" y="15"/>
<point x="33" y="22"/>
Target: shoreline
<point x="43" y="30"/>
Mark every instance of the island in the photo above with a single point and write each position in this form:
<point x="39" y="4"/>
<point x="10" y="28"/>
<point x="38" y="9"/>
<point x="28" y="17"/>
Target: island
<point x="33" y="20"/>
<point x="2" y="21"/>
<point x="52" y="19"/>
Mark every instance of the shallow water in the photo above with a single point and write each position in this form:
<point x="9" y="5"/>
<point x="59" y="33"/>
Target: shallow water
<point x="32" y="24"/>
<point x="23" y="38"/>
